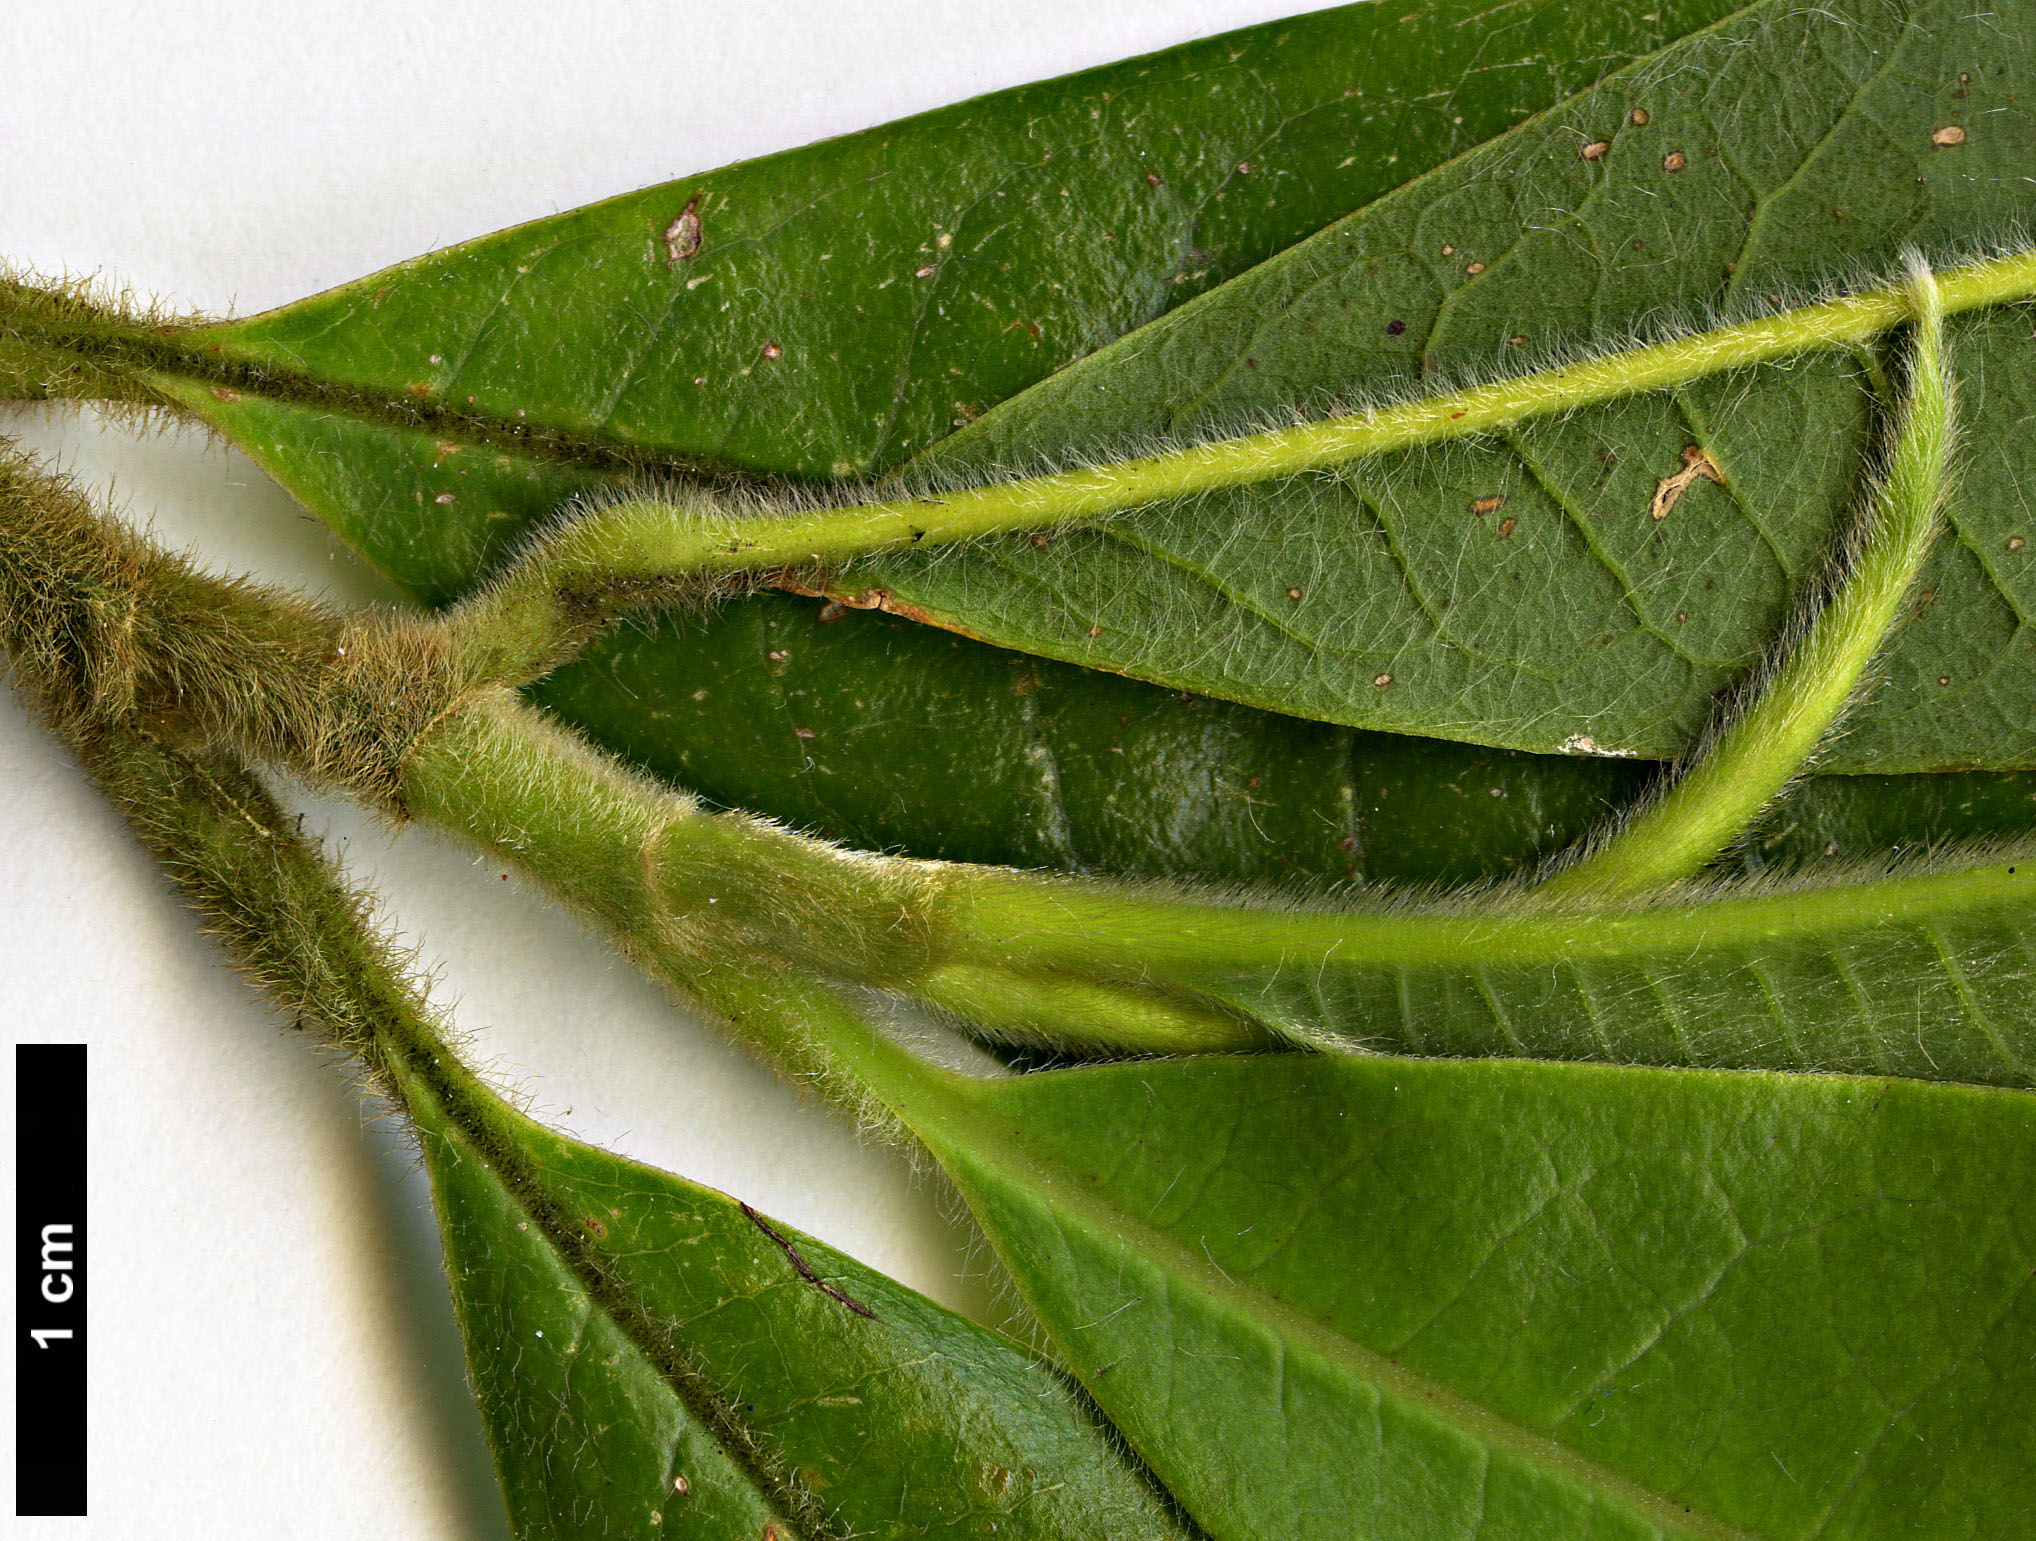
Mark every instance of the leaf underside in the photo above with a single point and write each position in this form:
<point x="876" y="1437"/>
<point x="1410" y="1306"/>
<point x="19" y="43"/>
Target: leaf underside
<point x="1869" y="977"/>
<point x="1508" y="1300"/>
<point x="1378" y="595"/>
<point x="1808" y="158"/>
<point x="788" y="1408"/>
<point x="1412" y="1298"/>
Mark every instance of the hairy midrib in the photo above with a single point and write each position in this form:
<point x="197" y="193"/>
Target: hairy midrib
<point x="1047" y="923"/>
<point x="157" y="359"/>
<point x="467" y="1115"/>
<point x="1086" y="494"/>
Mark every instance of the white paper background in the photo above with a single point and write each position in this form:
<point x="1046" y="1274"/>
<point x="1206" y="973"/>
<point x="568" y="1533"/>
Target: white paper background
<point x="273" y="1353"/>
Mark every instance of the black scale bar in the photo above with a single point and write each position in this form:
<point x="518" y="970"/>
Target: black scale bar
<point x="49" y="1278"/>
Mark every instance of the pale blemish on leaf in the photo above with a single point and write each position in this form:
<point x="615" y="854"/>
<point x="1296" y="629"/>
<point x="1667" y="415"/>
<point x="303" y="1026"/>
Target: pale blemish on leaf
<point x="1669" y="490"/>
<point x="683" y="237"/>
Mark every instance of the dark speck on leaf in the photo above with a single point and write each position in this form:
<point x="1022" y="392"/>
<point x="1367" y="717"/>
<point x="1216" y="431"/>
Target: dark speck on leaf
<point x="1394" y="328"/>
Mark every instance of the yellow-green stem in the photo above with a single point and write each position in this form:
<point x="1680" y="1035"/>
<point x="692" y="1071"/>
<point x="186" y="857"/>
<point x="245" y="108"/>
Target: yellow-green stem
<point x="619" y="556"/>
<point x="1768" y="744"/>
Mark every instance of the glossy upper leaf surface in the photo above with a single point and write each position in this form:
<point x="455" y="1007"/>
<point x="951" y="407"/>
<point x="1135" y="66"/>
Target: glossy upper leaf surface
<point x="891" y="736"/>
<point x="1508" y="1300"/>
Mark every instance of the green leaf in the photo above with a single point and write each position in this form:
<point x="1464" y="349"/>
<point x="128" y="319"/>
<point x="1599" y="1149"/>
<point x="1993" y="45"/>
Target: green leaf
<point x="649" y="1356"/>
<point x="1925" y="974"/>
<point x="890" y="736"/>
<point x="1329" y="110"/>
<point x="1380" y="595"/>
<point x="1191" y="789"/>
<point x="431" y="413"/>
<point x="1429" y="1298"/>
<point x="1053" y="218"/>
<point x="649" y="1359"/>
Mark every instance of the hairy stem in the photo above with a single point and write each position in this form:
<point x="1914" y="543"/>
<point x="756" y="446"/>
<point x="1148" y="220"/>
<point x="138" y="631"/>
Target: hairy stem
<point x="291" y="923"/>
<point x="643" y="552"/>
<point x="701" y="898"/>
<point x="1792" y="711"/>
<point x="692" y="895"/>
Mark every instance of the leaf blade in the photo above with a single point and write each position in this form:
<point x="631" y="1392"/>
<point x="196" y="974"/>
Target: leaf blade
<point x="1582" y="635"/>
<point x="1359" y="1248"/>
<point x="833" y="1415"/>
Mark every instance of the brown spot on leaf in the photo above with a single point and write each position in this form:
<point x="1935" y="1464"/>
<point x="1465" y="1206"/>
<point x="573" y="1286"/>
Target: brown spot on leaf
<point x="995" y="1480"/>
<point x="2016" y="543"/>
<point x="1637" y="117"/>
<point x="1394" y="328"/>
<point x="1596" y="150"/>
<point x="1490" y="505"/>
<point x="1244" y="168"/>
<point x="1944" y="679"/>
<point x="1474" y="269"/>
<point x="1093" y="632"/>
<point x="1505" y="529"/>
<point x="830" y="612"/>
<point x="221" y="393"/>
<point x="595" y="1227"/>
<point x="1152" y="179"/>
<point x="926" y="272"/>
<point x="445" y="499"/>
<point x="682" y="236"/>
<point x="1382" y="680"/>
<point x="1944" y="138"/>
<point x="866" y="599"/>
<point x="772" y="350"/>
<point x="1675" y="160"/>
<point x="1669" y="490"/>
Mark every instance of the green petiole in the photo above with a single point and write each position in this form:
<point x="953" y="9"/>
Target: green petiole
<point x="1769" y="743"/>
